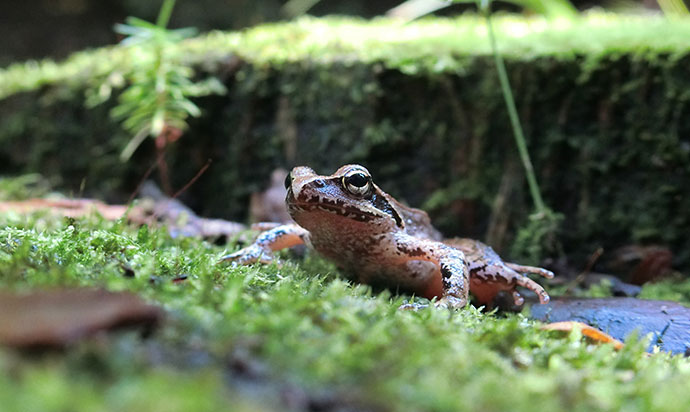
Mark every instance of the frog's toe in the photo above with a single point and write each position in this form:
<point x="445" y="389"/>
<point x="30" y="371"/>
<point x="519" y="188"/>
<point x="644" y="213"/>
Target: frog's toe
<point x="528" y="283"/>
<point x="248" y="255"/>
<point x="530" y="269"/>
<point x="518" y="300"/>
<point x="413" y="306"/>
<point x="239" y="256"/>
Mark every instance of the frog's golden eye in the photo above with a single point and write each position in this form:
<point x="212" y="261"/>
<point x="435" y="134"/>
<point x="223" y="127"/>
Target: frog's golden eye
<point x="288" y="181"/>
<point x="357" y="182"/>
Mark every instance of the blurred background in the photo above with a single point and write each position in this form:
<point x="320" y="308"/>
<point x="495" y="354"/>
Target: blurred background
<point x="592" y="118"/>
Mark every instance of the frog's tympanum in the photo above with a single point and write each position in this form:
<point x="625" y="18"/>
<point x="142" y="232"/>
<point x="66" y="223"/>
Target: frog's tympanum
<point x="378" y="241"/>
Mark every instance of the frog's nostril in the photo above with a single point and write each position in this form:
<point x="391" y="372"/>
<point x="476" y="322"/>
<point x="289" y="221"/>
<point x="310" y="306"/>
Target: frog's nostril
<point x="318" y="183"/>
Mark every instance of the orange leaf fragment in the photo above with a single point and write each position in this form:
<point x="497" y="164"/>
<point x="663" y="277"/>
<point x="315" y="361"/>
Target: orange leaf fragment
<point x="588" y="331"/>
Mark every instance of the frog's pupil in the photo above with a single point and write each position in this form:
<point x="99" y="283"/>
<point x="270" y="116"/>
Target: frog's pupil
<point x="288" y="181"/>
<point x="357" y="180"/>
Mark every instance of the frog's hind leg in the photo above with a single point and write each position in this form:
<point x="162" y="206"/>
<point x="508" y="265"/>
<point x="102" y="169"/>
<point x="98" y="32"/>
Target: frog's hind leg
<point x="528" y="283"/>
<point x="530" y="269"/>
<point x="487" y="281"/>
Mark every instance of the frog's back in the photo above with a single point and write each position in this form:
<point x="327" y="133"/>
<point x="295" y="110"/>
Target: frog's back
<point x="417" y="222"/>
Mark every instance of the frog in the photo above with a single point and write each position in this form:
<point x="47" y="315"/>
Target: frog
<point x="376" y="240"/>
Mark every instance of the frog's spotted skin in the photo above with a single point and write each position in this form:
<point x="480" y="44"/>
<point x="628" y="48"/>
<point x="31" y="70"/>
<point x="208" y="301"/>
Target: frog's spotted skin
<point x="489" y="274"/>
<point x="378" y="241"/>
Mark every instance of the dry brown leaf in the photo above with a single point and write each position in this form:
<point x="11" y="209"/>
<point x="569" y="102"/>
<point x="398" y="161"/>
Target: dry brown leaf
<point x="57" y="318"/>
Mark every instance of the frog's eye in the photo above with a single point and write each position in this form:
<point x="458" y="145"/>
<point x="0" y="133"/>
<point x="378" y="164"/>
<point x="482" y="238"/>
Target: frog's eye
<point x="288" y="181"/>
<point x="357" y="182"/>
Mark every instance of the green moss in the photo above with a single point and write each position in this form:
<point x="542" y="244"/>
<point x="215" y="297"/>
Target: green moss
<point x="308" y="328"/>
<point x="675" y="288"/>
<point x="52" y="385"/>
<point x="23" y="187"/>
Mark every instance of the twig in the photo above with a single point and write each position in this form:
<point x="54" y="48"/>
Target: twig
<point x="162" y="164"/>
<point x="143" y="179"/>
<point x="588" y="268"/>
<point x="194" y="179"/>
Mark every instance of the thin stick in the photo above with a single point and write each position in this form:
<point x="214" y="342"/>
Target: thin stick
<point x="588" y="268"/>
<point x="143" y="179"/>
<point x="194" y="179"/>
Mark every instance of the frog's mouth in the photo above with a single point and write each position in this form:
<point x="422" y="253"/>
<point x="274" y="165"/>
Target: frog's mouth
<point x="335" y="207"/>
<point x="346" y="212"/>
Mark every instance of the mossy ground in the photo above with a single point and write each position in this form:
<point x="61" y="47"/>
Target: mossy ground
<point x="300" y="326"/>
<point x="295" y="326"/>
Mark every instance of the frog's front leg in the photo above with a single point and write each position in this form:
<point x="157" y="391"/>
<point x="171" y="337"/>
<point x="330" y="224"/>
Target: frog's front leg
<point x="278" y="238"/>
<point x="451" y="283"/>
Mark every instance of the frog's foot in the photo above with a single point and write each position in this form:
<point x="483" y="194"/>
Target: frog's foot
<point x="446" y="302"/>
<point x="490" y="280"/>
<point x="250" y="254"/>
<point x="530" y="269"/>
<point x="451" y="302"/>
<point x="413" y="306"/>
<point x="279" y="237"/>
<point x="521" y="280"/>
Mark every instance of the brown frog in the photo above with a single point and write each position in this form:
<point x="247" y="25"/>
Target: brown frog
<point x="378" y="241"/>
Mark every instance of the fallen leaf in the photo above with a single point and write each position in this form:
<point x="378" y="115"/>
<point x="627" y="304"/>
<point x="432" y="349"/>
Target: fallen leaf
<point x="57" y="318"/>
<point x="180" y="219"/>
<point x="586" y="330"/>
<point x="70" y="207"/>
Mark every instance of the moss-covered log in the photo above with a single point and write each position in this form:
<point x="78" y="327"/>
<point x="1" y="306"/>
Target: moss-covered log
<point x="604" y="102"/>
